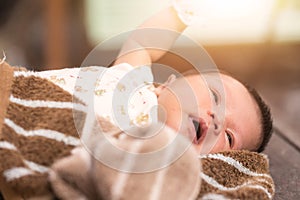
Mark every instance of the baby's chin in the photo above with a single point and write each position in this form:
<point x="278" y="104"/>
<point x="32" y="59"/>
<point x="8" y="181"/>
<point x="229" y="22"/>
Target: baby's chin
<point x="199" y="149"/>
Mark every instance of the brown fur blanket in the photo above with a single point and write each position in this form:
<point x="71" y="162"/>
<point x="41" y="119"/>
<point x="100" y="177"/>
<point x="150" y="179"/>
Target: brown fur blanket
<point x="38" y="134"/>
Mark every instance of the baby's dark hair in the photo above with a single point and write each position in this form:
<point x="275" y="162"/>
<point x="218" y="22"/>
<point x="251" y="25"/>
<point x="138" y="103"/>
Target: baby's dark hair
<point x="266" y="118"/>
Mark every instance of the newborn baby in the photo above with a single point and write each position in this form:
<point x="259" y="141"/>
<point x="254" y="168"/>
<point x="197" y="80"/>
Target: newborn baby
<point x="212" y="109"/>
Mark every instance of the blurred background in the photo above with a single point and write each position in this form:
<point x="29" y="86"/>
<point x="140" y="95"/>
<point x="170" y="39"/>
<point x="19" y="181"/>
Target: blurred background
<point x="251" y="38"/>
<point x="248" y="38"/>
<point x="255" y="40"/>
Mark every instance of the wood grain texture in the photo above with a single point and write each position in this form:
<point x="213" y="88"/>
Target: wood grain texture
<point x="285" y="168"/>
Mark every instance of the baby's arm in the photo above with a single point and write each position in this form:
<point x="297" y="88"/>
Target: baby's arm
<point x="152" y="39"/>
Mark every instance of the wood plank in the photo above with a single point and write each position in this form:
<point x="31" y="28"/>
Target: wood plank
<point x="284" y="103"/>
<point x="284" y="168"/>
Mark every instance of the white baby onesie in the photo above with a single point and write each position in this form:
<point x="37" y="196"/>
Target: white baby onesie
<point x="122" y="94"/>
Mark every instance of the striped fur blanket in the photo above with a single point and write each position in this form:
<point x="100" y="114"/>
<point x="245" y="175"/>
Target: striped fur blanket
<point x="38" y="136"/>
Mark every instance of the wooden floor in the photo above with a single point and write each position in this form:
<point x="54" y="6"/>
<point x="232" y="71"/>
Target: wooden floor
<point x="284" y="147"/>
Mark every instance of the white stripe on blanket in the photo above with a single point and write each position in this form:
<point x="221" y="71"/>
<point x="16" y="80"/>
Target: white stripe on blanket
<point x="217" y="185"/>
<point x="211" y="196"/>
<point x="36" y="167"/>
<point x="25" y="73"/>
<point x="48" y="104"/>
<point x="7" y="145"/>
<point x="50" y="134"/>
<point x="16" y="172"/>
<point x="19" y="172"/>
<point x="234" y="163"/>
<point x="262" y="180"/>
<point x="32" y="165"/>
<point x="127" y="165"/>
<point x="160" y="176"/>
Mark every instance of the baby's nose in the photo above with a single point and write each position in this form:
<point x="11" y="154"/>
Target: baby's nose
<point x="215" y="122"/>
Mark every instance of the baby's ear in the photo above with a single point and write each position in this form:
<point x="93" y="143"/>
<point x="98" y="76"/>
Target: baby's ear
<point x="161" y="87"/>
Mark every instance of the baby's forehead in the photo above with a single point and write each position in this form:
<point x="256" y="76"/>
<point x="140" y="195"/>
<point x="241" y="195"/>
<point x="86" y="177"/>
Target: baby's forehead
<point x="206" y="74"/>
<point x="221" y="78"/>
<point x="209" y="78"/>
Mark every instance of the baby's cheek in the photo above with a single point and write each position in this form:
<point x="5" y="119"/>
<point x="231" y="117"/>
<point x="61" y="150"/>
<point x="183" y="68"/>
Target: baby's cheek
<point x="220" y="145"/>
<point x="171" y="117"/>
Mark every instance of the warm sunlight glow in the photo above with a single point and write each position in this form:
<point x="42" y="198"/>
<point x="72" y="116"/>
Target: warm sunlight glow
<point x="232" y="21"/>
<point x="219" y="21"/>
<point x="230" y="9"/>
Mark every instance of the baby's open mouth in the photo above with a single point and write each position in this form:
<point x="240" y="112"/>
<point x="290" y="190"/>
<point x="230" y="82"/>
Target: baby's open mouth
<point x="200" y="130"/>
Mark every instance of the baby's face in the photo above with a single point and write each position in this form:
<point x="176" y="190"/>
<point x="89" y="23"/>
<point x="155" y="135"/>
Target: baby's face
<point x="215" y="111"/>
